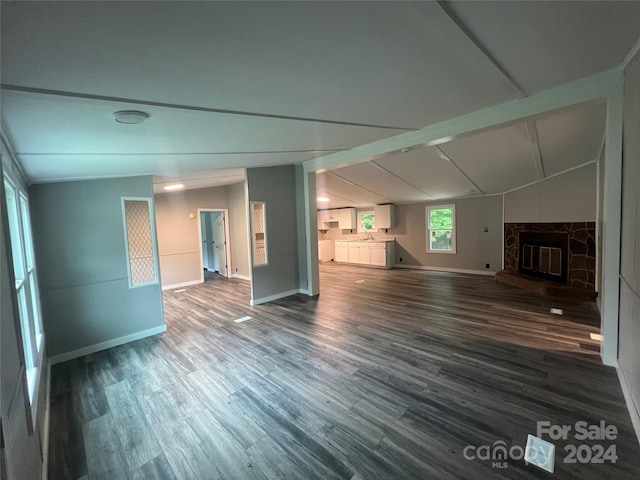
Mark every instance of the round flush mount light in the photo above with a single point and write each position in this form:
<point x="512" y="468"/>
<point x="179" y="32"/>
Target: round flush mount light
<point x="175" y="186"/>
<point x="130" y="117"/>
<point x="322" y="199"/>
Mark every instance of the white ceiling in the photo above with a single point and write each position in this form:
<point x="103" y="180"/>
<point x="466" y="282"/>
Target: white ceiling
<point x="230" y="85"/>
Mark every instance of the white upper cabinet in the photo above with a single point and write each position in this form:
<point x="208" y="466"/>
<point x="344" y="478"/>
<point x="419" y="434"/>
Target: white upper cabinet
<point x="347" y="218"/>
<point x="385" y="216"/>
<point x="344" y="217"/>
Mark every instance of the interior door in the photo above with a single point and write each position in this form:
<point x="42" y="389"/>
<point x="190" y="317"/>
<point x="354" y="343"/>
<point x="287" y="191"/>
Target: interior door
<point x="203" y="237"/>
<point x="221" y="245"/>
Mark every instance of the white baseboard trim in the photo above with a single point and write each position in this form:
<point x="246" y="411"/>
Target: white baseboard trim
<point x="271" y="298"/>
<point x="180" y="285"/>
<point x="81" y="352"/>
<point x="631" y="406"/>
<point x="240" y="276"/>
<point x="45" y="440"/>
<point x="487" y="273"/>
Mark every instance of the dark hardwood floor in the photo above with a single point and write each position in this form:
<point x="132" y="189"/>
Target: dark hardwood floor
<point x="393" y="377"/>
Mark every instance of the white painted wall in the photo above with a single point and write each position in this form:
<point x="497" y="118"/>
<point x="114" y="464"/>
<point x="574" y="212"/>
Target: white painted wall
<point x="570" y="197"/>
<point x="629" y="353"/>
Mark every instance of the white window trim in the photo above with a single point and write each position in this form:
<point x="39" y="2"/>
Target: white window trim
<point x="33" y="373"/>
<point x="359" y="213"/>
<point x="154" y="243"/>
<point x="453" y="230"/>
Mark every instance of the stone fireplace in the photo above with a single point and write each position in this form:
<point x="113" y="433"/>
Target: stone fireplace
<point x="561" y="252"/>
<point x="544" y="254"/>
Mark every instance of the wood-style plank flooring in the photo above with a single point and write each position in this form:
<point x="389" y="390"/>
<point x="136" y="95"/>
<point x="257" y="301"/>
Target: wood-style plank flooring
<point x="386" y="375"/>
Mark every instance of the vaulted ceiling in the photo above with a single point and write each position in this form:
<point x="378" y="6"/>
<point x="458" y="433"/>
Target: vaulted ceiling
<point x="229" y="85"/>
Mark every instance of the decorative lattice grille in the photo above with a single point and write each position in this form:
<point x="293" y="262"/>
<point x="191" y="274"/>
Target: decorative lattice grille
<point x="140" y="242"/>
<point x="259" y="235"/>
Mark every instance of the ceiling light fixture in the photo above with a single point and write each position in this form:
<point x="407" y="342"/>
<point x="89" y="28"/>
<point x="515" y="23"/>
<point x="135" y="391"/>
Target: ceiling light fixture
<point x="405" y="150"/>
<point x="176" y="186"/>
<point x="130" y="117"/>
<point x="322" y="199"/>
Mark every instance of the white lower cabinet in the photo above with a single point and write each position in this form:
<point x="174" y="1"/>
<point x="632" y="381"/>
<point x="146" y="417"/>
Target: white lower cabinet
<point x="341" y="252"/>
<point x="363" y="254"/>
<point x="378" y="254"/>
<point x="354" y="252"/>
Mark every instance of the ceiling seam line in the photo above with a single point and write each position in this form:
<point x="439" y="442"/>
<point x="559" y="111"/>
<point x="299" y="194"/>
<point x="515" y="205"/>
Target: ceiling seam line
<point x="150" y="103"/>
<point x="401" y="179"/>
<point x="336" y="195"/>
<point x="448" y="159"/>
<point x="181" y="153"/>
<point x="480" y="46"/>
<point x="534" y="145"/>
<point x="359" y="186"/>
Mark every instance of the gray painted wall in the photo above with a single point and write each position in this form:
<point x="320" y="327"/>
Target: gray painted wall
<point x="629" y="333"/>
<point x="238" y="229"/>
<point x="475" y="248"/>
<point x="570" y="197"/>
<point x="281" y="274"/>
<point x="82" y="262"/>
<point x="22" y="447"/>
<point x="178" y="235"/>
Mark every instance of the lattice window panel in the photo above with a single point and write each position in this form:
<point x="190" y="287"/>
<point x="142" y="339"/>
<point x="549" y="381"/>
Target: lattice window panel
<point x="140" y="241"/>
<point x="259" y="234"/>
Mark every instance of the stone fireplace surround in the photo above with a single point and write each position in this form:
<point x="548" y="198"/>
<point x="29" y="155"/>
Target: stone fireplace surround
<point x="582" y="249"/>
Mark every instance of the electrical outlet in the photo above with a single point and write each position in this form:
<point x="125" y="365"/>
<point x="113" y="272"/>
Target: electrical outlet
<point x="236" y="270"/>
<point x="400" y="259"/>
<point x="487" y="265"/>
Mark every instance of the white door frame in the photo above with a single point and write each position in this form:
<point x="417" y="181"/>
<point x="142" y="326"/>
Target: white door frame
<point x="226" y="238"/>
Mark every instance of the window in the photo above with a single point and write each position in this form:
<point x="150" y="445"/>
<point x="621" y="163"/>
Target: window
<point x="441" y="229"/>
<point x="259" y="233"/>
<point x="140" y="243"/>
<point x="26" y="285"/>
<point x="367" y="221"/>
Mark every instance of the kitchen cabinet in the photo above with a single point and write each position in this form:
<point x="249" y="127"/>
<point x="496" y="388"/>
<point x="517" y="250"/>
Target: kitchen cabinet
<point x="353" y="249"/>
<point x="323" y="217"/>
<point x="347" y="218"/>
<point x="344" y="217"/>
<point x="385" y="216"/>
<point x="364" y="253"/>
<point x="341" y="252"/>
<point x="378" y="254"/>
<point x="325" y="250"/>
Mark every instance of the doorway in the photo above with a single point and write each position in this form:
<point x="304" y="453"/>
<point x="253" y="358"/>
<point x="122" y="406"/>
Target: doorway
<point x="214" y="242"/>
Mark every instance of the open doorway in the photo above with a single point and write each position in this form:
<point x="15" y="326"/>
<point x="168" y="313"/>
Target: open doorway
<point x="215" y="256"/>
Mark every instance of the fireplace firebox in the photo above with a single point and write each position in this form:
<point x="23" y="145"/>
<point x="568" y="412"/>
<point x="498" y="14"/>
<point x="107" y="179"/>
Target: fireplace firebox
<point x="545" y="255"/>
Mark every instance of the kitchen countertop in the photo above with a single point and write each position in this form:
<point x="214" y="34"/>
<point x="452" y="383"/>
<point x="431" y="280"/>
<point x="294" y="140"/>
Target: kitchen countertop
<point x="369" y="241"/>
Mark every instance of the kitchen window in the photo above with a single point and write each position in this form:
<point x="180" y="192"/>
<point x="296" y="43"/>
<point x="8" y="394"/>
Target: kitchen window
<point x="441" y="228"/>
<point x="366" y="221"/>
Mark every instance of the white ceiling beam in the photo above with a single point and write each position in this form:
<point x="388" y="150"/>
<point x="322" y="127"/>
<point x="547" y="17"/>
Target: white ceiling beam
<point x="534" y="144"/>
<point x="596" y="86"/>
